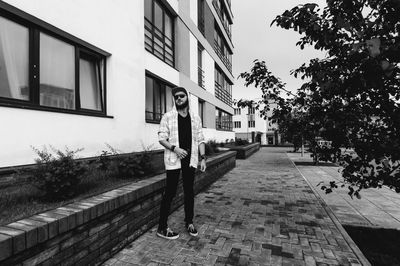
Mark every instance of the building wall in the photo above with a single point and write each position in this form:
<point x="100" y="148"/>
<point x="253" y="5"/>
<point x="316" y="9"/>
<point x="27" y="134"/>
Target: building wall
<point x="106" y="23"/>
<point x="125" y="83"/>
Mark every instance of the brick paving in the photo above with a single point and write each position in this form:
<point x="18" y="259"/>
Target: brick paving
<point x="261" y="213"/>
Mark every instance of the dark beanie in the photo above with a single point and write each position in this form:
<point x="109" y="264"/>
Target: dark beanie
<point x="179" y="89"/>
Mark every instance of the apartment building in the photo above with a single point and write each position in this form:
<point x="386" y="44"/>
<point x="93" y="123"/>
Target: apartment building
<point x="85" y="73"/>
<point x="248" y="124"/>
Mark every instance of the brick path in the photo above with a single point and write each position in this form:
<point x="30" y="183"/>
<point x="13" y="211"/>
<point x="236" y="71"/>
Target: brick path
<point x="261" y="213"/>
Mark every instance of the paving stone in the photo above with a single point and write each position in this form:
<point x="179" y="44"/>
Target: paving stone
<point x="260" y="213"/>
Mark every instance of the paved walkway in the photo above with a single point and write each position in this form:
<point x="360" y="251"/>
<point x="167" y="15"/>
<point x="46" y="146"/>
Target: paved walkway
<point x="261" y="213"/>
<point x="376" y="208"/>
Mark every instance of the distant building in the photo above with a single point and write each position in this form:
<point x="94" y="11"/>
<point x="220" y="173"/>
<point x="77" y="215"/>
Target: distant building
<point x="248" y="124"/>
<point x="102" y="71"/>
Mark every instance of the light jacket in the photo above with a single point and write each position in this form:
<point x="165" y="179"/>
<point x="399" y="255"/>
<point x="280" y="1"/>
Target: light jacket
<point x="168" y="130"/>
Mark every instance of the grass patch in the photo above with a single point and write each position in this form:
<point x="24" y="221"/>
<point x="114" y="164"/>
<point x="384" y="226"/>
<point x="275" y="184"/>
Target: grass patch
<point x="380" y="246"/>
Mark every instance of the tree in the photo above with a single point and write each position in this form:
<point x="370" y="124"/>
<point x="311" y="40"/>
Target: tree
<point x="352" y="96"/>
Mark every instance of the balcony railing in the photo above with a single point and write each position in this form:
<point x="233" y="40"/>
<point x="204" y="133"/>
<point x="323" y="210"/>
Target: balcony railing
<point x="200" y="73"/>
<point x="222" y="94"/>
<point x="223" y="21"/>
<point x="224" y="59"/>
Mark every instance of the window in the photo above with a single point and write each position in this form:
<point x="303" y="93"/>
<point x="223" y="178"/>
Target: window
<point x="251" y="110"/>
<point x="200" y="15"/>
<point x="252" y="123"/>
<point x="158" y="99"/>
<point x="222" y="49"/>
<point x="223" y="120"/>
<point x="201" y="110"/>
<point x="223" y="90"/>
<point x="51" y="71"/>
<point x="159" y="28"/>
<point x="238" y="111"/>
<point x="200" y="65"/>
<point x="238" y="124"/>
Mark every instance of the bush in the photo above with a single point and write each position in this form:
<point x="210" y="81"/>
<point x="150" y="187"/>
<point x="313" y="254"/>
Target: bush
<point x="57" y="176"/>
<point x="137" y="165"/>
<point x="124" y="166"/>
<point x="241" y="142"/>
<point x="211" y="147"/>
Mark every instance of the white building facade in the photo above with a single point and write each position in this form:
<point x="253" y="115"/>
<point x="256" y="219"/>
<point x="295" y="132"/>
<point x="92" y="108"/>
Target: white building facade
<point x="248" y="124"/>
<point x="85" y="73"/>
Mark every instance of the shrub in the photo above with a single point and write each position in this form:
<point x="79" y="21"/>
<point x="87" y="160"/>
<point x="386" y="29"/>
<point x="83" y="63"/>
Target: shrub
<point x="211" y="147"/>
<point x="57" y="176"/>
<point x="241" y="142"/>
<point x="125" y="166"/>
<point x="136" y="165"/>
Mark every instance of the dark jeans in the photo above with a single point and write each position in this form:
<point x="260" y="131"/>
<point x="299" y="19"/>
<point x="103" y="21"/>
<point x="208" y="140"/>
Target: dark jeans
<point x="170" y="191"/>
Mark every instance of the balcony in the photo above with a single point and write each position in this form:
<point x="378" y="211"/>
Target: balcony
<point x="224" y="59"/>
<point x="224" y="22"/>
<point x="222" y="94"/>
<point x="200" y="74"/>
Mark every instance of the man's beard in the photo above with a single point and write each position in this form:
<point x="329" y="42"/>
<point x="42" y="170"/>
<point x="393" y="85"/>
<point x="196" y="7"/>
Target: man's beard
<point x="182" y="106"/>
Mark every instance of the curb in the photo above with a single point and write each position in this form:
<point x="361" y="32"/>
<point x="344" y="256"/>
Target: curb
<point x="335" y="220"/>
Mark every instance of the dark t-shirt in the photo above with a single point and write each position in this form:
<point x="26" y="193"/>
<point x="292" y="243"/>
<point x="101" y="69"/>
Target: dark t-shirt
<point x="185" y="134"/>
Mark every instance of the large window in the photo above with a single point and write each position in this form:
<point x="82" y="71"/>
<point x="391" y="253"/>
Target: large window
<point x="158" y="99"/>
<point x="46" y="70"/>
<point x="159" y="28"/>
<point x="223" y="120"/>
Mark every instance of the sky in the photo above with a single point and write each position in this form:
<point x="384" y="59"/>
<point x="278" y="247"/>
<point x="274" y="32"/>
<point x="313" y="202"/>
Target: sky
<point x="254" y="38"/>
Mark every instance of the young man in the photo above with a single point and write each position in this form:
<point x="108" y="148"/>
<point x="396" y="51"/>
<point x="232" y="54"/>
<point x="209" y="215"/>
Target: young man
<point x="181" y="134"/>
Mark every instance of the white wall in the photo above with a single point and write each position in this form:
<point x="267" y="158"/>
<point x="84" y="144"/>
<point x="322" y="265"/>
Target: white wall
<point x="218" y="136"/>
<point x="193" y="58"/>
<point x="125" y="83"/>
<point x="174" y="4"/>
<point x="193" y="11"/>
<point x="209" y="68"/>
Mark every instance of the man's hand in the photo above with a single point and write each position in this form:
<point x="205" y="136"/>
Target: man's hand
<point x="180" y="152"/>
<point x="203" y="165"/>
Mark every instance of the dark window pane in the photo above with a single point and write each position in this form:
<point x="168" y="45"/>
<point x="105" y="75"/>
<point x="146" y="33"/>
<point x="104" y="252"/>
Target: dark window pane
<point x="158" y="16"/>
<point x="148" y="9"/>
<point x="57" y="73"/>
<point x="149" y="95"/>
<point x="168" y="26"/>
<point x="14" y="60"/>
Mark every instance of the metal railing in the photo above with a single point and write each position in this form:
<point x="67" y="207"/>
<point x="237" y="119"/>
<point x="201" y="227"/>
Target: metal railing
<point x="200" y="73"/>
<point x="224" y="22"/>
<point x="222" y="94"/>
<point x="224" y="59"/>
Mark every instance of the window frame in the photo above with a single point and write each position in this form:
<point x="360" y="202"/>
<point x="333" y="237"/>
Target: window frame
<point x="220" y="124"/>
<point x="153" y="34"/>
<point x="36" y="26"/>
<point x="163" y="85"/>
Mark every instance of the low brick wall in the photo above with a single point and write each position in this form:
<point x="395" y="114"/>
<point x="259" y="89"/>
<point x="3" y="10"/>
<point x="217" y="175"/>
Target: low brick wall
<point x="90" y="231"/>
<point x="244" y="152"/>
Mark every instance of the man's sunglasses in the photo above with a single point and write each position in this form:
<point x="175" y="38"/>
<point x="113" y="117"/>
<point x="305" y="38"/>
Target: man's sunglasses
<point x="177" y="96"/>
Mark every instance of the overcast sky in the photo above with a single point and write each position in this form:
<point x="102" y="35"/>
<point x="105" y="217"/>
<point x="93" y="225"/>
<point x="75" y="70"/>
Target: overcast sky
<point x="254" y="38"/>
